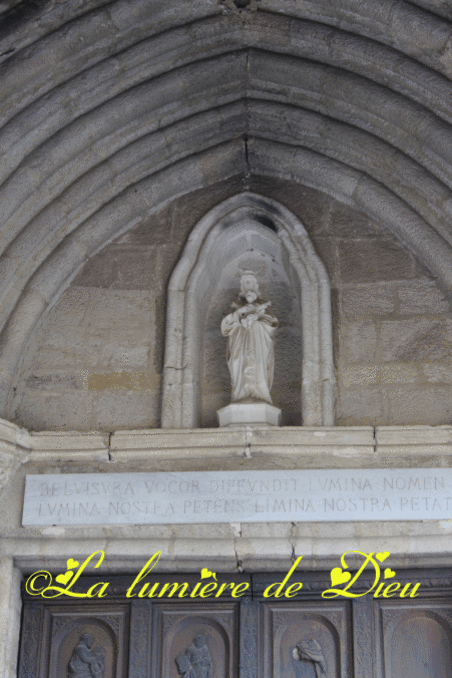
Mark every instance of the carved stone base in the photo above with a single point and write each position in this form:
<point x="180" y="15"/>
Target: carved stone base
<point x="249" y="414"/>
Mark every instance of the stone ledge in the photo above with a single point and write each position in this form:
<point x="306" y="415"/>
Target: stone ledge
<point x="339" y="441"/>
<point x="68" y="446"/>
<point x="160" y="444"/>
<point x="403" y="440"/>
<point x="419" y="547"/>
<point x="355" y="445"/>
<point x="241" y="442"/>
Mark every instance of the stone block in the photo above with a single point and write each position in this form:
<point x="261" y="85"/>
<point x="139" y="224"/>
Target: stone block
<point x="64" y="338"/>
<point x="123" y="382"/>
<point x="198" y="530"/>
<point x="310" y="206"/>
<point x="412" y="340"/>
<point x="301" y="442"/>
<point x="57" y="411"/>
<point x="110" y="330"/>
<point x="358" y="375"/>
<point x="126" y="355"/>
<point x="363" y="261"/>
<point x="399" y="440"/>
<point x="358" y="341"/>
<point x="187" y="210"/>
<point x="397" y="374"/>
<point x="249" y="552"/>
<point x="368" y="299"/>
<point x="68" y="445"/>
<point x="345" y="222"/>
<point x="119" y="267"/>
<point x="131" y="309"/>
<point x="437" y="373"/>
<point x="85" y="318"/>
<point x="216" y="552"/>
<point x="138" y="408"/>
<point x="80" y="351"/>
<point x="153" y="230"/>
<point x="54" y="382"/>
<point x="421" y="296"/>
<point x="409" y="406"/>
<point x="360" y="406"/>
<point x="425" y="33"/>
<point x="267" y="530"/>
<point x="197" y="446"/>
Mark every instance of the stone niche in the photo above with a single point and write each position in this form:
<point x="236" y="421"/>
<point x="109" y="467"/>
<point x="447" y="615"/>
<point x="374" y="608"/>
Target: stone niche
<point x="248" y="232"/>
<point x="257" y="248"/>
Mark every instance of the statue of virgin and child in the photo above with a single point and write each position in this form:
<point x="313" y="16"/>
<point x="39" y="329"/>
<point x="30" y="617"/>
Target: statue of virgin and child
<point x="250" y="353"/>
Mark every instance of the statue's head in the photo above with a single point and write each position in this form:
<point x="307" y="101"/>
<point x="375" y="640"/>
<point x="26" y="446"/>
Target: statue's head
<point x="310" y="649"/>
<point x="199" y="641"/>
<point x="88" y="640"/>
<point x="310" y="645"/>
<point x="249" y="287"/>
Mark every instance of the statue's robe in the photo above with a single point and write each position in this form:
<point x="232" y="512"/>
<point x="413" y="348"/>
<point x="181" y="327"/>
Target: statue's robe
<point x="250" y="356"/>
<point x="310" y="662"/>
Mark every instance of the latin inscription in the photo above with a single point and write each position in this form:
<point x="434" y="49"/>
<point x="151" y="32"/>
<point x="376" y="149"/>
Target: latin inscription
<point x="230" y="496"/>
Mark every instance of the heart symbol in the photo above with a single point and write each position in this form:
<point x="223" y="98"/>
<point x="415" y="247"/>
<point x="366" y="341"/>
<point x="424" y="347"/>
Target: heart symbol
<point x="205" y="574"/>
<point x="383" y="556"/>
<point x="64" y="578"/>
<point x="339" y="577"/>
<point x="72" y="564"/>
<point x="389" y="573"/>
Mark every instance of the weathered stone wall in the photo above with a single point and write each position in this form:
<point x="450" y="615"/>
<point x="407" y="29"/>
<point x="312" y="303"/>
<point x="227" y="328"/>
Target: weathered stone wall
<point x="393" y="327"/>
<point x="97" y="360"/>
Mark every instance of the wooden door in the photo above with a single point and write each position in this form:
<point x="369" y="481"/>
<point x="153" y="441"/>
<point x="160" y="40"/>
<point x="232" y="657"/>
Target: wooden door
<point x="248" y="637"/>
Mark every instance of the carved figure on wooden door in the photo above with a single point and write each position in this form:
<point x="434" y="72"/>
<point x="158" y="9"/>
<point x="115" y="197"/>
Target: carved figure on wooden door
<point x="310" y="660"/>
<point x="250" y="353"/>
<point x="195" y="662"/>
<point x="87" y="661"/>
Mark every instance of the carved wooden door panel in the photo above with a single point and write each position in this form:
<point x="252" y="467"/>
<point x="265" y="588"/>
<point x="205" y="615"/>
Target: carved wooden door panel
<point x="307" y="640"/>
<point x="248" y="637"/>
<point x="72" y="640"/>
<point x="415" y="640"/>
<point x="306" y="636"/>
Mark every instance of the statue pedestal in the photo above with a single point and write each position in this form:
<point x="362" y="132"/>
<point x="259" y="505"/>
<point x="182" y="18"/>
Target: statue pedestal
<point x="258" y="414"/>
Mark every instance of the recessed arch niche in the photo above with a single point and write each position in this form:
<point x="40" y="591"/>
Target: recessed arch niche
<point x="247" y="231"/>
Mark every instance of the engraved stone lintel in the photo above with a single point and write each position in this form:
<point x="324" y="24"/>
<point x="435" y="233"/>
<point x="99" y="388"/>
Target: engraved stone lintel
<point x="258" y="414"/>
<point x="244" y="496"/>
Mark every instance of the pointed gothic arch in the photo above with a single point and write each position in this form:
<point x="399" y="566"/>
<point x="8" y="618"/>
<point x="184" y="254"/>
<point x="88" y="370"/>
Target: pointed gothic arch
<point x="214" y="241"/>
